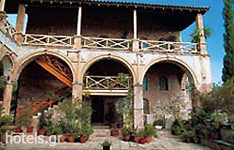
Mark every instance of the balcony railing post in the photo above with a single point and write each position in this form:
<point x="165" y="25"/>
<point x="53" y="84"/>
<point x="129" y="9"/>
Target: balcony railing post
<point x="135" y="45"/>
<point x="20" y="23"/>
<point x="77" y="41"/>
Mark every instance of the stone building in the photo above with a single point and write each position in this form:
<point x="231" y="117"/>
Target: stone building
<point x="79" y="46"/>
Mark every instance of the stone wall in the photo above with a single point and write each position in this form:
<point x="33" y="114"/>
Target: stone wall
<point x="36" y="83"/>
<point x="96" y="22"/>
<point x="164" y="99"/>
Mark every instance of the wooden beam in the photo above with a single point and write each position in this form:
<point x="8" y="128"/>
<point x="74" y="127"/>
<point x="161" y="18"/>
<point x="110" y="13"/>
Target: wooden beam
<point x="79" y="21"/>
<point x="55" y="73"/>
<point x="20" y="18"/>
<point x="135" y="24"/>
<point x="2" y="5"/>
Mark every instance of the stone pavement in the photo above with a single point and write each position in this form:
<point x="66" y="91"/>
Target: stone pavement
<point x="164" y="142"/>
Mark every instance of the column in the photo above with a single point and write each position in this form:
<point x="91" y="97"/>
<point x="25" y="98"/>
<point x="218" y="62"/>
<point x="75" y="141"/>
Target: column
<point x="7" y="97"/>
<point x="200" y="27"/>
<point x="77" y="38"/>
<point x="20" y="23"/>
<point x="77" y="93"/>
<point x="138" y="107"/>
<point x="135" y="44"/>
<point x="2" y="5"/>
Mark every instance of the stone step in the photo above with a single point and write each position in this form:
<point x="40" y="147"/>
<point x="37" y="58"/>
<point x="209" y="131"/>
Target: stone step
<point x="100" y="133"/>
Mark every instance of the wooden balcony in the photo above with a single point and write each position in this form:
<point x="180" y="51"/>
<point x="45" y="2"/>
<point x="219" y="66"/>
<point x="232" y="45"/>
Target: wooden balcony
<point x="102" y="43"/>
<point x="107" y="85"/>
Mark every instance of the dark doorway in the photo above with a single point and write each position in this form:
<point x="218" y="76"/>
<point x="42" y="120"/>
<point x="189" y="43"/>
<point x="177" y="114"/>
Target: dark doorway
<point x="98" y="110"/>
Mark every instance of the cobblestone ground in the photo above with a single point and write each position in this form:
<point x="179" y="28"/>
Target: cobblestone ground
<point x="164" y="142"/>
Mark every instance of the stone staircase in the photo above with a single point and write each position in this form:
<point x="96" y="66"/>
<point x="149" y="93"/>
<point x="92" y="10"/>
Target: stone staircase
<point x="100" y="133"/>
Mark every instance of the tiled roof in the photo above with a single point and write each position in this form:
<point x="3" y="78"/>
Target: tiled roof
<point x="132" y="4"/>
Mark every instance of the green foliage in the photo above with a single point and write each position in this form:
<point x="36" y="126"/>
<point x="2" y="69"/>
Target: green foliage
<point x="76" y="121"/>
<point x="198" y="116"/>
<point x="45" y="122"/>
<point x="126" y="131"/>
<point x="124" y="107"/>
<point x="220" y="99"/>
<point x="177" y="126"/>
<point x="106" y="143"/>
<point x="149" y="130"/>
<point x="86" y="130"/>
<point x="25" y="119"/>
<point x="5" y="123"/>
<point x="196" y="36"/>
<point x="228" y="63"/>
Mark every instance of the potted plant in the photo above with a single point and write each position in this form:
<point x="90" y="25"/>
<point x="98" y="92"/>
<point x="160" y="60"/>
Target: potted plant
<point x="106" y="145"/>
<point x="25" y="120"/>
<point x="136" y="136"/>
<point x="142" y="135"/>
<point x="85" y="132"/>
<point x="126" y="134"/>
<point x="150" y="132"/>
<point x="114" y="132"/>
<point x="177" y="126"/>
<point x="41" y="124"/>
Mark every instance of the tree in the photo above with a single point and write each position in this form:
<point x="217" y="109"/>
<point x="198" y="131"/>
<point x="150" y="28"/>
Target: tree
<point x="228" y="62"/>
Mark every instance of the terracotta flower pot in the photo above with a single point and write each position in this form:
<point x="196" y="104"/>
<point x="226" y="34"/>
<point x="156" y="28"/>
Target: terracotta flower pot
<point x="41" y="132"/>
<point x="82" y="139"/>
<point x="137" y="139"/>
<point x="127" y="137"/>
<point x="114" y="132"/>
<point x="143" y="140"/>
<point x="214" y="136"/>
<point x="149" y="139"/>
<point x="70" y="138"/>
<point x="30" y="130"/>
<point x="62" y="138"/>
<point x="18" y="130"/>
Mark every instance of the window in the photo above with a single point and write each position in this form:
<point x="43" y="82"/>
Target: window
<point x="146" y="106"/>
<point x="145" y="85"/>
<point x="163" y="83"/>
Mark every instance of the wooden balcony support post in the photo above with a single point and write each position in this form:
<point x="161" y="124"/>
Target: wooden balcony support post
<point x="135" y="42"/>
<point x="77" y="38"/>
<point x="200" y="27"/>
<point x="2" y="5"/>
<point x="138" y="107"/>
<point x="20" y="23"/>
<point x="7" y="95"/>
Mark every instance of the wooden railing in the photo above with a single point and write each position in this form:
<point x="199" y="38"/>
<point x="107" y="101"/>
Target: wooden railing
<point x="47" y="40"/>
<point x="106" y="43"/>
<point x="10" y="30"/>
<point x="166" y="46"/>
<point x="107" y="83"/>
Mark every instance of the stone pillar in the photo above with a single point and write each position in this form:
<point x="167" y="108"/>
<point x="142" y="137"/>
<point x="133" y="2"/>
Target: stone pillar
<point x="77" y="92"/>
<point x="2" y="5"/>
<point x="135" y="24"/>
<point x="77" y="37"/>
<point x="7" y="95"/>
<point x="138" y="107"/>
<point x="20" y="23"/>
<point x="200" y="27"/>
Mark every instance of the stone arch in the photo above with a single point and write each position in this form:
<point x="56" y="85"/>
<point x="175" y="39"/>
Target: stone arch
<point x="181" y="64"/>
<point x="7" y="64"/>
<point x="108" y="56"/>
<point x="23" y="62"/>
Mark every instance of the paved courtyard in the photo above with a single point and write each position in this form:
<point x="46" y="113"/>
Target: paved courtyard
<point x="164" y="142"/>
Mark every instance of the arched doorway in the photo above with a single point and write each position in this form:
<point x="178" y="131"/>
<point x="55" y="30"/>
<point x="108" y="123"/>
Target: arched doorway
<point x="45" y="79"/>
<point x="107" y="81"/>
<point x="168" y="86"/>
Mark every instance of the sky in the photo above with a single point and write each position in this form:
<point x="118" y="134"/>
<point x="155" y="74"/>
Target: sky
<point x="212" y="19"/>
